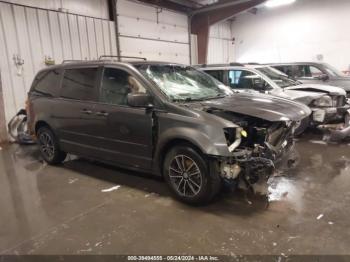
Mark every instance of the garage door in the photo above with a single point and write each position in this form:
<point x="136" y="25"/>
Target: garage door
<point x="154" y="33"/>
<point x="31" y="36"/>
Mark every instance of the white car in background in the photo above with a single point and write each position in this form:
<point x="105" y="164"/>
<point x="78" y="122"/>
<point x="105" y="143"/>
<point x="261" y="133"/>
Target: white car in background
<point x="328" y="103"/>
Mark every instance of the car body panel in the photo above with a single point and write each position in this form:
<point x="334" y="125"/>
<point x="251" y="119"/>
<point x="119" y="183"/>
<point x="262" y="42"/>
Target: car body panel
<point x="338" y="81"/>
<point x="303" y="93"/>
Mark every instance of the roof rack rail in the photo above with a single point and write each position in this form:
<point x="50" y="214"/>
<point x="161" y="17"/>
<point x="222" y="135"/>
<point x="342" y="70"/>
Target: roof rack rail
<point x="117" y="56"/>
<point x="253" y="63"/>
<point x="236" y="64"/>
<point x="219" y="65"/>
<point x="72" y="61"/>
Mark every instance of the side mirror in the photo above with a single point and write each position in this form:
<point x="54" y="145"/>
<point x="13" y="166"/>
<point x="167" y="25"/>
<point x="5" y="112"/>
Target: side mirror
<point x="139" y="100"/>
<point x="323" y="77"/>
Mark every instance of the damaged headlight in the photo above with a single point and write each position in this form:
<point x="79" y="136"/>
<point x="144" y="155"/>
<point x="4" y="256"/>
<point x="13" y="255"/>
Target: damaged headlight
<point x="234" y="137"/>
<point x="324" y="101"/>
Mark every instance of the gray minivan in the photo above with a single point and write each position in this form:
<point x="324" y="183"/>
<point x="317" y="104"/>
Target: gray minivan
<point x="168" y="119"/>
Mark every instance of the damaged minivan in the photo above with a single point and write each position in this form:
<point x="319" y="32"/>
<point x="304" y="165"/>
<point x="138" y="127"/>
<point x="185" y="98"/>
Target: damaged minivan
<point x="167" y="119"/>
<point x="328" y="103"/>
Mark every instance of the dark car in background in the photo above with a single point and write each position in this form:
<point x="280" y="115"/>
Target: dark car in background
<point x="318" y="73"/>
<point x="167" y="119"/>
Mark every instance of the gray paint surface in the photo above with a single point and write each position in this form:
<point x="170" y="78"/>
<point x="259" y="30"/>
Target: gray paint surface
<point x="61" y="210"/>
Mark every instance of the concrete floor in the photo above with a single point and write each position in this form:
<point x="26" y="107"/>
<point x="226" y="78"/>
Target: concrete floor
<point x="62" y="210"/>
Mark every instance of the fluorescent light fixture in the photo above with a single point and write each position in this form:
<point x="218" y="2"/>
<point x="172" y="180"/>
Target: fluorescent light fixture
<point x="276" y="3"/>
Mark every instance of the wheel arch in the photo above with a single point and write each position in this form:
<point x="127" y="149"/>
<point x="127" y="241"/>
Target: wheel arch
<point x="40" y="124"/>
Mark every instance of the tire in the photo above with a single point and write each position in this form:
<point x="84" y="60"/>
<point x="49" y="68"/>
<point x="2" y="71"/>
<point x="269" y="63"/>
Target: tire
<point x="49" y="147"/>
<point x="304" y="124"/>
<point x="197" y="183"/>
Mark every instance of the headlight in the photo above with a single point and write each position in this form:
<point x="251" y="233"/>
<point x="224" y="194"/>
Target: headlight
<point x="324" y="101"/>
<point x="234" y="137"/>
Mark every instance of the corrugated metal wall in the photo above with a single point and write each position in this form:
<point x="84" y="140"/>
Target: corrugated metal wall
<point x="32" y="34"/>
<point x="221" y="48"/>
<point x="154" y="33"/>
<point x="94" y="8"/>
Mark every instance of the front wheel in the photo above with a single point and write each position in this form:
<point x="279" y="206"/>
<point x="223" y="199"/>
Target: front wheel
<point x="188" y="176"/>
<point x="49" y="147"/>
<point x="302" y="125"/>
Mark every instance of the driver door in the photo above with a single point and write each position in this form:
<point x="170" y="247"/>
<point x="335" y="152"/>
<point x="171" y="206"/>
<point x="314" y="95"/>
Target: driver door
<point x="124" y="133"/>
<point x="308" y="74"/>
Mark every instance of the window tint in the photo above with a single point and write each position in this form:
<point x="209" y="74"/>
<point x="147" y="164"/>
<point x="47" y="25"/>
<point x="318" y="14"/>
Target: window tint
<point x="308" y="71"/>
<point x="241" y="79"/>
<point x="79" y="84"/>
<point x="47" y="82"/>
<point x="116" y="85"/>
<point x="217" y="74"/>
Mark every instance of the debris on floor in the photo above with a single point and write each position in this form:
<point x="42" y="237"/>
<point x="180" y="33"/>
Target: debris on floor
<point x="320" y="216"/>
<point x="319" y="142"/>
<point x="330" y="223"/>
<point x="110" y="189"/>
<point x="98" y="244"/>
<point x="18" y="129"/>
<point x="85" y="250"/>
<point x="71" y="181"/>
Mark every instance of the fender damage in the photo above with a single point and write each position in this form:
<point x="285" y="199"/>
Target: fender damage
<point x="262" y="140"/>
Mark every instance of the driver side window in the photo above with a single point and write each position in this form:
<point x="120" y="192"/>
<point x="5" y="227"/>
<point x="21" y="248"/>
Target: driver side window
<point x="241" y="79"/>
<point x="308" y="71"/>
<point x="116" y="85"/>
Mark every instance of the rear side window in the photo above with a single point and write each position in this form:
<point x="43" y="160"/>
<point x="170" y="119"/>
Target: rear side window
<point x="47" y="83"/>
<point x="80" y="84"/>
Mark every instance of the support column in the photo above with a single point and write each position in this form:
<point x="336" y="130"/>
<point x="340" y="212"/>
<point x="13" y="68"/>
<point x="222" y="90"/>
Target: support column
<point x="202" y="19"/>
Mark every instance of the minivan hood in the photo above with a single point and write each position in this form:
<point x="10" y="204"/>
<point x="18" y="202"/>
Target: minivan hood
<point x="332" y="90"/>
<point x="266" y="107"/>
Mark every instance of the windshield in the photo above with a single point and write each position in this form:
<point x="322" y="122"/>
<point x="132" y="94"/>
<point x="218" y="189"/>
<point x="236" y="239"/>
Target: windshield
<point x="184" y="83"/>
<point x="332" y="70"/>
<point x="278" y="77"/>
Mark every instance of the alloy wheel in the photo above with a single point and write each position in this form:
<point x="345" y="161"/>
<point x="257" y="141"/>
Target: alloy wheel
<point x="185" y="176"/>
<point x="46" y="145"/>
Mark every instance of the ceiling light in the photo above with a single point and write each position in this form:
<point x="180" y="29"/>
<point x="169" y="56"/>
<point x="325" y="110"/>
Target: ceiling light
<point x="275" y="3"/>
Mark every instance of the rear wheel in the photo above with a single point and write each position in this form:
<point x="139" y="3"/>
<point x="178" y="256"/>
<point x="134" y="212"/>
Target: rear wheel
<point x="188" y="176"/>
<point x="49" y="147"/>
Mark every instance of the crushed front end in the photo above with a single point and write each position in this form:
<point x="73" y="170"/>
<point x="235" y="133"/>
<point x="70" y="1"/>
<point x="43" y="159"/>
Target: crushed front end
<point x="329" y="109"/>
<point x="257" y="147"/>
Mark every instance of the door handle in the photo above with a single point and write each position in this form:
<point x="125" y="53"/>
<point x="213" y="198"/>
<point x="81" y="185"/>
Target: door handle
<point x="87" y="112"/>
<point x="102" y="113"/>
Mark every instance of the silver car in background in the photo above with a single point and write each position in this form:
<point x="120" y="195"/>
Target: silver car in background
<point x="328" y="103"/>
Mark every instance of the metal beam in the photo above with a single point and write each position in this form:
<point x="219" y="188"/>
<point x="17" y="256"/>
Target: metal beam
<point x="202" y="19"/>
<point x="219" y="5"/>
<point x="188" y="3"/>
